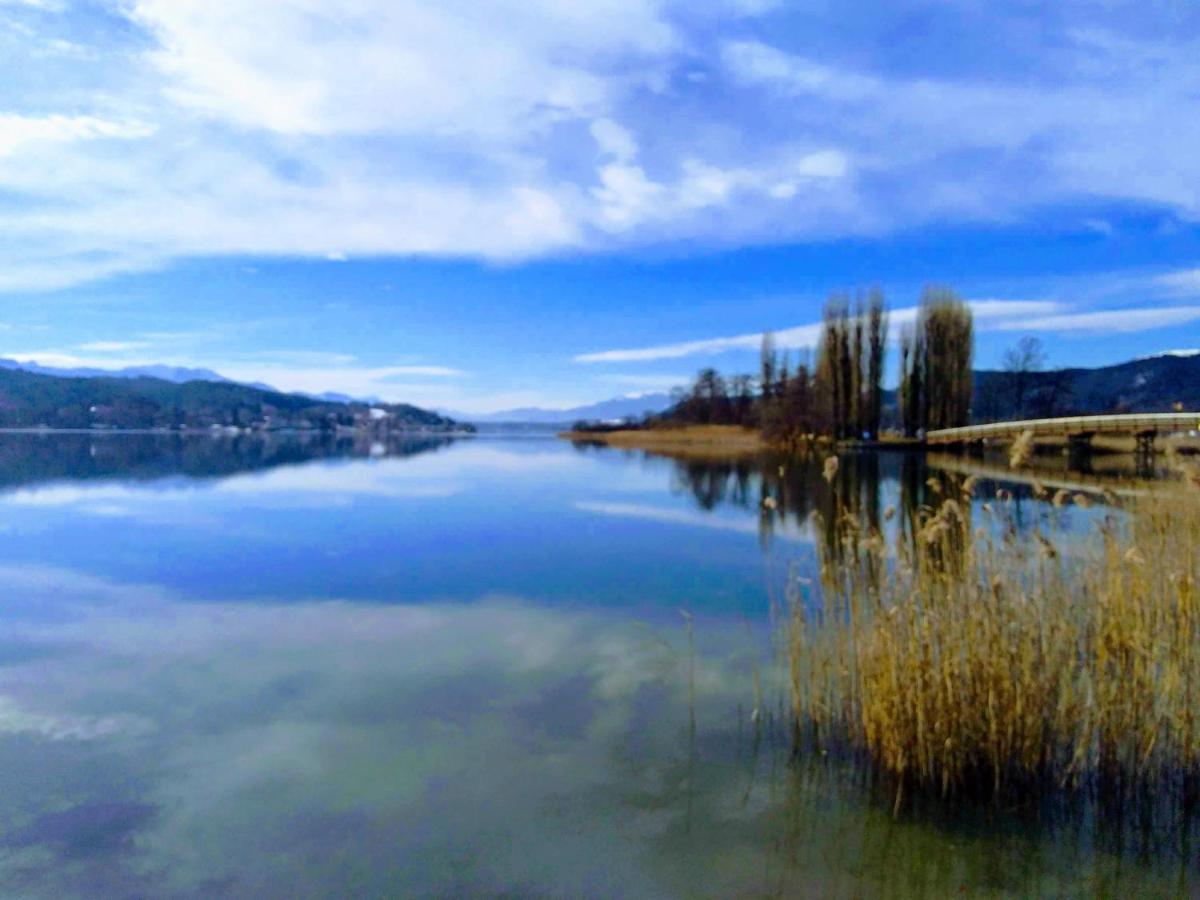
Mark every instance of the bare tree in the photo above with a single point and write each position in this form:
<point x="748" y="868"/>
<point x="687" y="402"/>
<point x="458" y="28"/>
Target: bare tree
<point x="1020" y="363"/>
<point x="742" y="398"/>
<point x="710" y="397"/>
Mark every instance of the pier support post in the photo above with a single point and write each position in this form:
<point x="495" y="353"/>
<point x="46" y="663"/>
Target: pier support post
<point x="1144" y="456"/>
<point x="1079" y="451"/>
<point x="1080" y="443"/>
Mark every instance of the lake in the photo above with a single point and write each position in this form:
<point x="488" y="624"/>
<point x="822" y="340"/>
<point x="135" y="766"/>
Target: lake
<point x="498" y="666"/>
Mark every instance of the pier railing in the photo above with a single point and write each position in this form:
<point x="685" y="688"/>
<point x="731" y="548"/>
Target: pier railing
<point x="1139" y="424"/>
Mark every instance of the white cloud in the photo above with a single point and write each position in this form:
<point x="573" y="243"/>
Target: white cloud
<point x="1109" y="321"/>
<point x="629" y="199"/>
<point x="753" y="61"/>
<point x="1103" y="120"/>
<point x="52" y="5"/>
<point x="804" y="336"/>
<point x="491" y="71"/>
<point x="510" y="130"/>
<point x="113" y="346"/>
<point x="18" y="130"/>
<point x="354" y="380"/>
<point x="613" y="140"/>
<point x="304" y="357"/>
<point x="16" y="720"/>
<point x="1185" y="281"/>
<point x="428" y="371"/>
<point x="807" y="336"/>
<point x="785" y="529"/>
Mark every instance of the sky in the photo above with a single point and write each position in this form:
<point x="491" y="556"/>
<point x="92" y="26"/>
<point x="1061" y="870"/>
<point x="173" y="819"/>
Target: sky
<point x="478" y="206"/>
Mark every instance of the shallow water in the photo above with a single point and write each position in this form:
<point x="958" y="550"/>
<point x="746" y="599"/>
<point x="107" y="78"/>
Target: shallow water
<point x="491" y="666"/>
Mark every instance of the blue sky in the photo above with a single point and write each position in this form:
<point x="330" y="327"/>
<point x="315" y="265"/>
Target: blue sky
<point x="480" y="206"/>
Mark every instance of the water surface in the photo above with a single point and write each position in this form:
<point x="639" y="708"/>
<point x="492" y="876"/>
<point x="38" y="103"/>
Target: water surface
<point x="501" y="667"/>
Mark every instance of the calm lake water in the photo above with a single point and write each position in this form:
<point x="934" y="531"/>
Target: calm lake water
<point x="498" y="667"/>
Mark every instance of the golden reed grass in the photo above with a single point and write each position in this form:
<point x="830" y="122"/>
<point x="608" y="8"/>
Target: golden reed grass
<point x="995" y="659"/>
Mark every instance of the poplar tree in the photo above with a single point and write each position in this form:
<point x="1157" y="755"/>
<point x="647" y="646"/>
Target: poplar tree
<point x="857" y="376"/>
<point x="768" y="363"/>
<point x="877" y="329"/>
<point x="829" y="369"/>
<point x="846" y="414"/>
<point x="948" y="328"/>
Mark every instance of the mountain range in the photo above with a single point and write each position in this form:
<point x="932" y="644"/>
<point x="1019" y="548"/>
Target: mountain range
<point x="35" y="399"/>
<point x="174" y="374"/>
<point x="605" y="410"/>
<point x="1148" y="384"/>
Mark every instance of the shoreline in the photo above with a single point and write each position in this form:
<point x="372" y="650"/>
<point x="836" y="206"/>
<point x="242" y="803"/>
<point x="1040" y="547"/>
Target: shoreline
<point x="723" y="439"/>
<point x="736" y="440"/>
<point x="229" y="431"/>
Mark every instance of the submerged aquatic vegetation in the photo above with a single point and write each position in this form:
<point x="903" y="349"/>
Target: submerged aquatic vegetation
<point x="995" y="660"/>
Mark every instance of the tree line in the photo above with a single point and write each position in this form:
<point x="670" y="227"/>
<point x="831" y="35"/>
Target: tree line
<point x="839" y="394"/>
<point x="30" y="399"/>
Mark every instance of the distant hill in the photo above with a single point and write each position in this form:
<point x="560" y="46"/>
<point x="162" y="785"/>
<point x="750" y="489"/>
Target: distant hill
<point x="174" y="374"/>
<point x="331" y="396"/>
<point x="615" y="408"/>
<point x="29" y="399"/>
<point x="1150" y="384"/>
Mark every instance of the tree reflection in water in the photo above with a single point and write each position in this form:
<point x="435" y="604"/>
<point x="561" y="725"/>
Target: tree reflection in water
<point x="29" y="458"/>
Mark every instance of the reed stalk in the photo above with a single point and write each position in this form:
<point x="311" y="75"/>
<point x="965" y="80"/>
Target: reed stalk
<point x="997" y="659"/>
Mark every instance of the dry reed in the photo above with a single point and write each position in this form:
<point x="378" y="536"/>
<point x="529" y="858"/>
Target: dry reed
<point x="994" y="660"/>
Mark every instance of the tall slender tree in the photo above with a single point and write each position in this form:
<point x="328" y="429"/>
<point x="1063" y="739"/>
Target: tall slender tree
<point x="832" y="361"/>
<point x="768" y="363"/>
<point x="858" y="418"/>
<point x="937" y="359"/>
<point x="910" y="381"/>
<point x="877" y="329"/>
<point x="846" y="376"/>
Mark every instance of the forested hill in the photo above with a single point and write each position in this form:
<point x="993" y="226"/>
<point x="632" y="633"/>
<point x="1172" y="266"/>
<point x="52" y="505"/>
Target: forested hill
<point x="1152" y="384"/>
<point x="31" y="400"/>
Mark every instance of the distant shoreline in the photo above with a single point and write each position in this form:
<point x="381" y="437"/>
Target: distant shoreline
<point x="736" y="440"/>
<point x="233" y="431"/>
<point x="725" y="439"/>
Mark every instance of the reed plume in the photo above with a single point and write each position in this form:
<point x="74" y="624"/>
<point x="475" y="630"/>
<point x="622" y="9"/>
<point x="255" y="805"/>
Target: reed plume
<point x="994" y="660"/>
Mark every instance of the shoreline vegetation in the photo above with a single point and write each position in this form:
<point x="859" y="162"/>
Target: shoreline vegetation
<point x="724" y="439"/>
<point x="731" y="440"/>
<point x="738" y="439"/>
<point x="838" y="397"/>
<point x="979" y="660"/>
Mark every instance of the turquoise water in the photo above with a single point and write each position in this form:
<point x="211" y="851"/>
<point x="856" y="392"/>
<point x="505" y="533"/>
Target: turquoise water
<point x="496" y="667"/>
